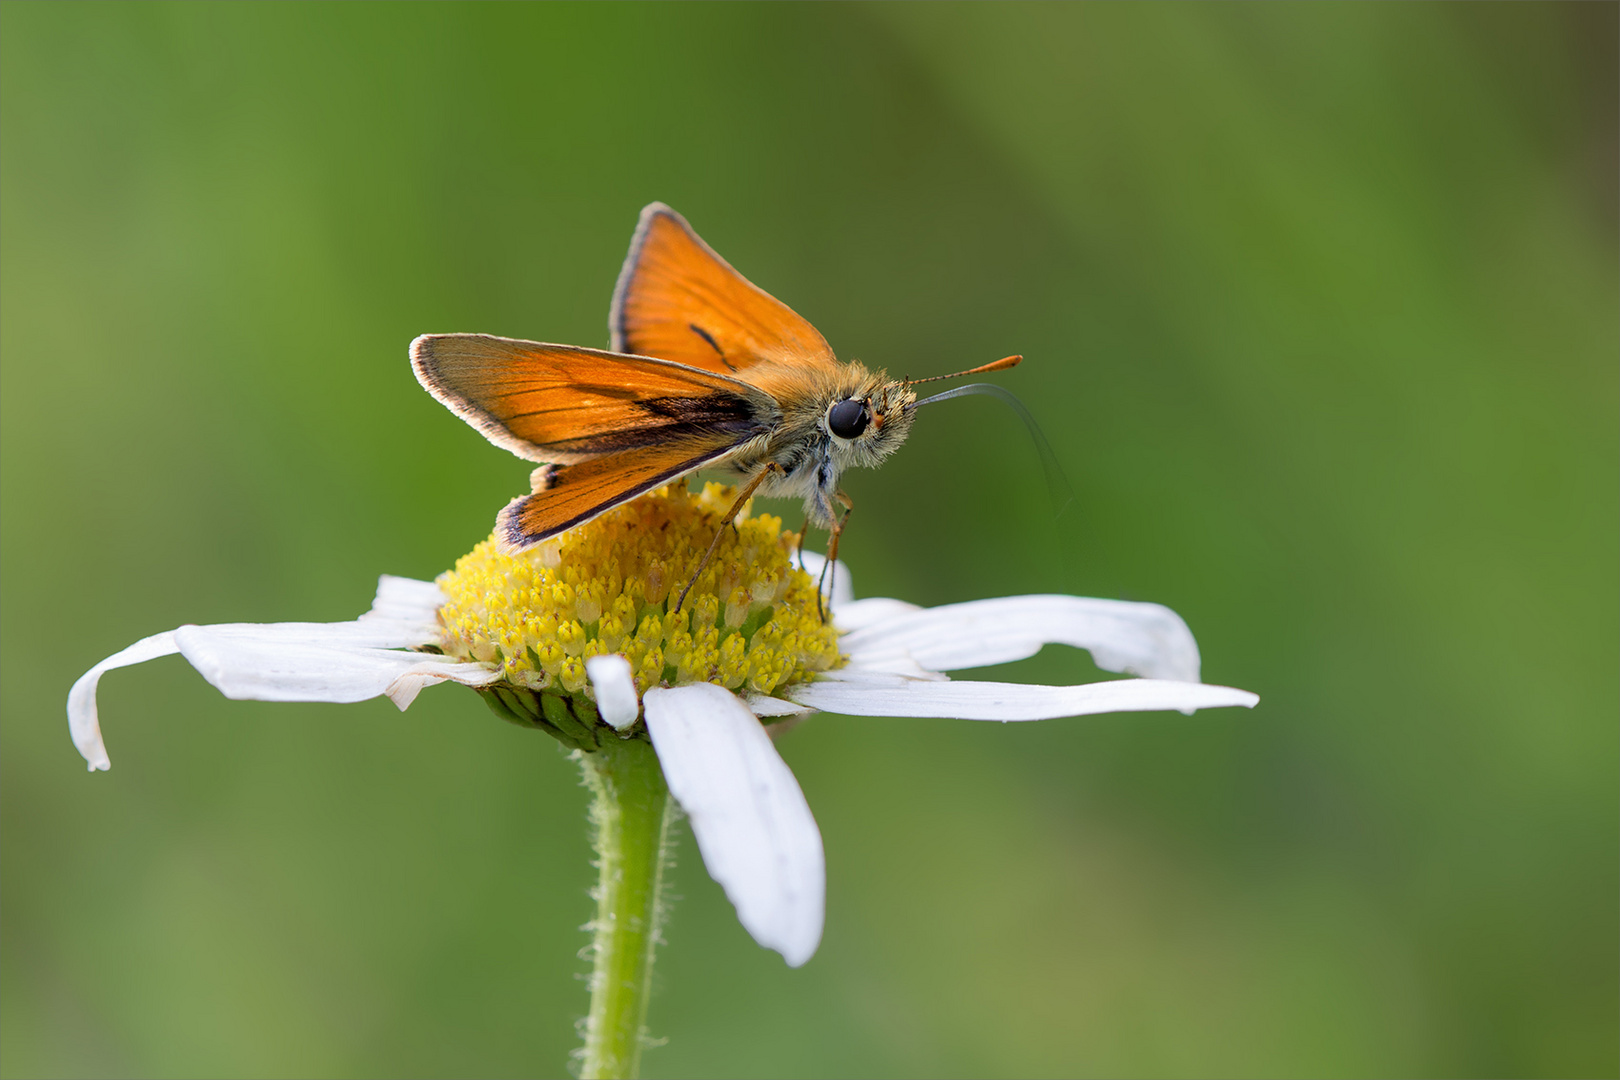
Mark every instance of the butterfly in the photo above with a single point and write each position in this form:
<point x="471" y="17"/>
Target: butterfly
<point x="704" y="370"/>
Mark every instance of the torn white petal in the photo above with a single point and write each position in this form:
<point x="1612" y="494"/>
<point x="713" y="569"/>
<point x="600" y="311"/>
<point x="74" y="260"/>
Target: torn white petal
<point x="758" y="838"/>
<point x="1148" y="640"/>
<point x="760" y="705"/>
<point x="83" y="723"/>
<point x="430" y="671"/>
<point x="836" y="586"/>
<point x="1013" y="701"/>
<point x="273" y="666"/>
<point x="615" y="689"/>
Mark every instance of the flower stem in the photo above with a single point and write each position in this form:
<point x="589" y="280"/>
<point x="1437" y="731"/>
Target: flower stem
<point x="631" y="813"/>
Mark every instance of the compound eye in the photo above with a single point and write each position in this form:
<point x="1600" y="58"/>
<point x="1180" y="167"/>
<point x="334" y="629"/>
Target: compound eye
<point x="848" y="418"/>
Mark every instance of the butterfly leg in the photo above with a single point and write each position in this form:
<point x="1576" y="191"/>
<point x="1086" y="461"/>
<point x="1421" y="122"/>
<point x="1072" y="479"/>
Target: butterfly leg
<point x="731" y="516"/>
<point x="828" y="574"/>
<point x="798" y="552"/>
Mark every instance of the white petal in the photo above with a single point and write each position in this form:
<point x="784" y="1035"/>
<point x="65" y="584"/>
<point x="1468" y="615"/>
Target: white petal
<point x="347" y="661"/>
<point x="752" y="824"/>
<point x="406" y="599"/>
<point x="361" y="633"/>
<point x="871" y="677"/>
<point x="1139" y="639"/>
<point x="760" y="705"/>
<point x="615" y="689"/>
<point x="842" y="590"/>
<point x="313" y="662"/>
<point x="859" y="614"/>
<point x="1011" y="701"/>
<point x="903" y="668"/>
<point x="83" y="724"/>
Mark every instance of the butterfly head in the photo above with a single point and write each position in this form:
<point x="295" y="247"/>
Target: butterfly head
<point x="867" y="419"/>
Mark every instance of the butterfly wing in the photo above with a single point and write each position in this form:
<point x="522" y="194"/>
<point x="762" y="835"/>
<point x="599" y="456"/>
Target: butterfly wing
<point x="564" y="404"/>
<point x="567" y="495"/>
<point x="678" y="300"/>
<point x="611" y="426"/>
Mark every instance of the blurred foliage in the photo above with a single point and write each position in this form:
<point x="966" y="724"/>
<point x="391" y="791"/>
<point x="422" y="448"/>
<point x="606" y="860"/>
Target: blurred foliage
<point x="1319" y="305"/>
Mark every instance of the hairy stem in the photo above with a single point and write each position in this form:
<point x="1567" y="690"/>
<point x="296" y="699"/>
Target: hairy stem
<point x="631" y="815"/>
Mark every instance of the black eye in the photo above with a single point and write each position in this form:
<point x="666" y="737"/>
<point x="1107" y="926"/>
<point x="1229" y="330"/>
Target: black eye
<point x="847" y="419"/>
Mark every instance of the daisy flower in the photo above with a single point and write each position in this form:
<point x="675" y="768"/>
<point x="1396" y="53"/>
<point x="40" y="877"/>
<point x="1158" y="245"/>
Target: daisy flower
<point x="575" y="638"/>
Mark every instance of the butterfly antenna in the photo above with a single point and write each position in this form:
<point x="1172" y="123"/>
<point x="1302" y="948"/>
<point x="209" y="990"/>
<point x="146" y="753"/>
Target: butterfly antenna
<point x="1057" y="484"/>
<point x="998" y="365"/>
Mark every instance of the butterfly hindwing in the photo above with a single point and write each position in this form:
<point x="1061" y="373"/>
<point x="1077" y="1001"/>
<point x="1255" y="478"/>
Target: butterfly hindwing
<point x="678" y="300"/>
<point x="569" y="495"/>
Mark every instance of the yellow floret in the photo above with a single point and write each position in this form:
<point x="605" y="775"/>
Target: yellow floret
<point x="750" y="623"/>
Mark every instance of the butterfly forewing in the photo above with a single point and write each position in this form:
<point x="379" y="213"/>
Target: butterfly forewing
<point x="563" y="404"/>
<point x="677" y="300"/>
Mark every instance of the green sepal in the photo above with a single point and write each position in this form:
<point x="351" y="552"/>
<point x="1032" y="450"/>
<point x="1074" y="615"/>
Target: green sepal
<point x="516" y="707"/>
<point x="556" y="710"/>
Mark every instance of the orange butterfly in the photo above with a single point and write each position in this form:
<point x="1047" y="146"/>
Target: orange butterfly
<point x="706" y="370"/>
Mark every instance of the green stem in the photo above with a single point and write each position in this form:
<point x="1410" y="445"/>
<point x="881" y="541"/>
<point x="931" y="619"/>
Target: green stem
<point x="631" y="813"/>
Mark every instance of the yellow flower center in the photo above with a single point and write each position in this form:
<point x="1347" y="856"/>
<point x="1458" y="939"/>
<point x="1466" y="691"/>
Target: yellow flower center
<point x="750" y="622"/>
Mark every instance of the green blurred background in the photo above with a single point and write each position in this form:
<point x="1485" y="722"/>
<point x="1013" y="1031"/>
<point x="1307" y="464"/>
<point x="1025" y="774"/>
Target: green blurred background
<point x="1319" y="306"/>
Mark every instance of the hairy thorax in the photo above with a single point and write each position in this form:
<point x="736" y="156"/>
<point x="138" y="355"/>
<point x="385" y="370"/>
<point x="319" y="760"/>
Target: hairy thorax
<point x="810" y="456"/>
